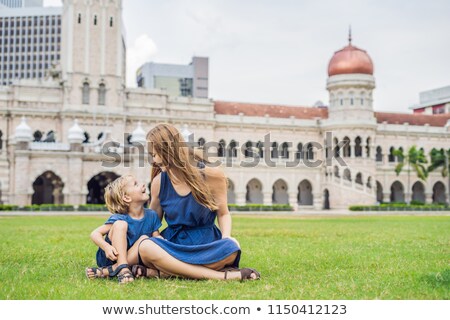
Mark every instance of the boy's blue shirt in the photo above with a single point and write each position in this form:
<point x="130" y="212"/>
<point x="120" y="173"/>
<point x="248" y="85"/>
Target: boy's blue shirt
<point x="136" y="228"/>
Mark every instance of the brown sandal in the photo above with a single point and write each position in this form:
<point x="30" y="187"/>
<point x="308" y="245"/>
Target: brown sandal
<point x="246" y="273"/>
<point x="143" y="269"/>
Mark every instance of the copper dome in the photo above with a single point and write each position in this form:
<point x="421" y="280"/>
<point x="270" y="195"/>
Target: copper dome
<point x="350" y="60"/>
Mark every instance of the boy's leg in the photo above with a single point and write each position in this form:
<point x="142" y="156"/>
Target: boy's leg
<point x="118" y="237"/>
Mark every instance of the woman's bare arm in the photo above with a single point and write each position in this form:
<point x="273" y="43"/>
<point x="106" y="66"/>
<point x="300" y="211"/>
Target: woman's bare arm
<point x="154" y="191"/>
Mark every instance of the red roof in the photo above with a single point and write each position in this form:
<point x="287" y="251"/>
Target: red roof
<point x="301" y="112"/>
<point x="275" y="111"/>
<point x="415" y="119"/>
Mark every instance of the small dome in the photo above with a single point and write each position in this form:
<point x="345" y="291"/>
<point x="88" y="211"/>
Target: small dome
<point x="23" y="132"/>
<point x="138" y="135"/>
<point x="76" y="134"/>
<point x="185" y="133"/>
<point x="350" y="60"/>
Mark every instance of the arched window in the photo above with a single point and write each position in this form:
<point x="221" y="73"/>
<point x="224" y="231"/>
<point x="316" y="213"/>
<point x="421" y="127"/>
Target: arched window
<point x="285" y="151"/>
<point x="248" y="151"/>
<point x="95" y="20"/>
<point x="379" y="156"/>
<point x="232" y="150"/>
<point x="1" y="144"/>
<point x="221" y="149"/>
<point x="347" y="148"/>
<point x="336" y="148"/>
<point x="309" y="152"/>
<point x="299" y="153"/>
<point x="111" y="22"/>
<point x="274" y="151"/>
<point x="201" y="142"/>
<point x="101" y="94"/>
<point x="86" y="92"/>
<point x="358" y="148"/>
<point x="336" y="171"/>
<point x="259" y="146"/>
<point x="79" y="18"/>
<point x="391" y="157"/>
<point x="368" y="147"/>
<point x="400" y="158"/>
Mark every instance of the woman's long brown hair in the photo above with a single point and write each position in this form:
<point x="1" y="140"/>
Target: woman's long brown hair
<point x="168" y="143"/>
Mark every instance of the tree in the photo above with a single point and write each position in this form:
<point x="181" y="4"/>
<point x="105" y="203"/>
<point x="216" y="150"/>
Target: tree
<point x="440" y="160"/>
<point x="415" y="160"/>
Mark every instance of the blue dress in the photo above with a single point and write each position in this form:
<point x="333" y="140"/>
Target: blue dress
<point x="191" y="235"/>
<point x="136" y="228"/>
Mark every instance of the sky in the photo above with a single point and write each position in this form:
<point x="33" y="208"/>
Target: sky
<point x="277" y="51"/>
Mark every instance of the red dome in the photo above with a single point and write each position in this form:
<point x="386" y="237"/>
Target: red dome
<point x="350" y="60"/>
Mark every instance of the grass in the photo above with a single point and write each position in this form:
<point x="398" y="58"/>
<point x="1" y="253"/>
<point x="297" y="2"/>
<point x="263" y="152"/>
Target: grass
<point x="388" y="257"/>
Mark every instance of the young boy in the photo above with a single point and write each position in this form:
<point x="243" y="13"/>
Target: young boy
<point x="128" y="225"/>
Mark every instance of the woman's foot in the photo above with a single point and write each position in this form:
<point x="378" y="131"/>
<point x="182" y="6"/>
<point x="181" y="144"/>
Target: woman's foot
<point x="242" y="274"/>
<point x="140" y="271"/>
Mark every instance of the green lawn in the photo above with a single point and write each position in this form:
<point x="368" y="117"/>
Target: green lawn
<point x="396" y="257"/>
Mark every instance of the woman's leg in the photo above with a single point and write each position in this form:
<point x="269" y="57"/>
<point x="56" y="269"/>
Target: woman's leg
<point x="150" y="252"/>
<point x="222" y="263"/>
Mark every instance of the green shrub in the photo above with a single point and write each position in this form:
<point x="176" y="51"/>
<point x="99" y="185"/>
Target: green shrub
<point x="259" y="207"/>
<point x="400" y="207"/>
<point x="8" y="207"/>
<point x="92" y="207"/>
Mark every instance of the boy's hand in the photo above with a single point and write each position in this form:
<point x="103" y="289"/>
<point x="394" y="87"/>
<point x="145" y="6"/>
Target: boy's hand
<point x="111" y="253"/>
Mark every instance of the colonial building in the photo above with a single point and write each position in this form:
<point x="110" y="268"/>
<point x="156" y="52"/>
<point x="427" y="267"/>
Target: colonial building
<point x="309" y="157"/>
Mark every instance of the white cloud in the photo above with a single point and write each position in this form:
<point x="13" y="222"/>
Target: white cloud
<point x="142" y="51"/>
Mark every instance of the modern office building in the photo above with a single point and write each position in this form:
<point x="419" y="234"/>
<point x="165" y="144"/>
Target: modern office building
<point x="21" y="3"/>
<point x="30" y="40"/>
<point x="177" y="80"/>
<point x="436" y="101"/>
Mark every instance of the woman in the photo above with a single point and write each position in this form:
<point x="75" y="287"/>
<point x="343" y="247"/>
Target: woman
<point x="190" y="196"/>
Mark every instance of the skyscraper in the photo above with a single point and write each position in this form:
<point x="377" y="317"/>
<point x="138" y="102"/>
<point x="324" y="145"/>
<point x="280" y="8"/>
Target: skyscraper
<point x="21" y="3"/>
<point x="30" y="40"/>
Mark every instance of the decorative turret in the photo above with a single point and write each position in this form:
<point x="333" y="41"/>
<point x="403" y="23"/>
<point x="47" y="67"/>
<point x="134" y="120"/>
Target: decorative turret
<point x="23" y="135"/>
<point x="76" y="136"/>
<point x="138" y="136"/>
<point x="185" y="133"/>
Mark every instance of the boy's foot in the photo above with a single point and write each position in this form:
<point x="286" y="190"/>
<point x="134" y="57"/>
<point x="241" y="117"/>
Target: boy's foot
<point x="106" y="272"/>
<point x="94" y="273"/>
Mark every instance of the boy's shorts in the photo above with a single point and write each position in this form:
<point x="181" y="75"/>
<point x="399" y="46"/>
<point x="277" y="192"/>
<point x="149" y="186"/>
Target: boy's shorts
<point x="102" y="260"/>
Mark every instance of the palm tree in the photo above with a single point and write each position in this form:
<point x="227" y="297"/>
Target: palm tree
<point x="439" y="159"/>
<point x="415" y="159"/>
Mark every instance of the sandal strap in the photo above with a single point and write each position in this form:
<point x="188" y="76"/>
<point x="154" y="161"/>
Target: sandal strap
<point x="124" y="275"/>
<point x="118" y="269"/>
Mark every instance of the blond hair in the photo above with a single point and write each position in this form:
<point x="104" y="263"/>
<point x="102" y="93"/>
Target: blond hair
<point x="114" y="193"/>
<point x="174" y="152"/>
